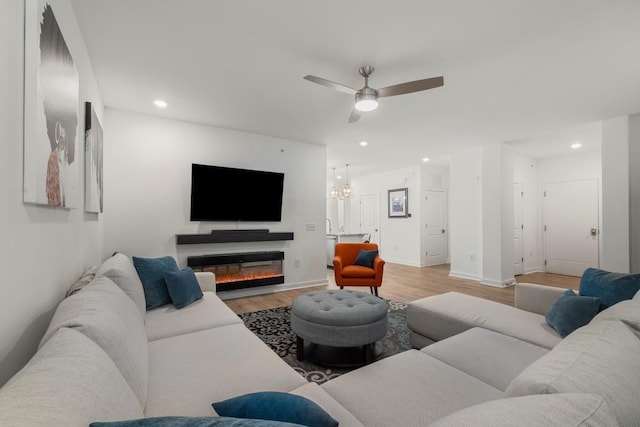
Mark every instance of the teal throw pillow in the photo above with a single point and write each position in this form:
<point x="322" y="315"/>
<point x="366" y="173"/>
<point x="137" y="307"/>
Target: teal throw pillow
<point x="365" y="258"/>
<point x="611" y="288"/>
<point x="183" y="287"/>
<point x="151" y="272"/>
<point x="571" y="311"/>
<point x="193" y="422"/>
<point x="276" y="406"/>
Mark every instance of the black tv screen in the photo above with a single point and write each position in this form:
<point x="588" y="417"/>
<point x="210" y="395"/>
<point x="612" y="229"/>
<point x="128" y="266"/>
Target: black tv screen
<point x="230" y="194"/>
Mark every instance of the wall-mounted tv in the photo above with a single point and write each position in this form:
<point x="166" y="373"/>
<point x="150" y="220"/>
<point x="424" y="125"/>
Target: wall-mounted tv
<point x="230" y="194"/>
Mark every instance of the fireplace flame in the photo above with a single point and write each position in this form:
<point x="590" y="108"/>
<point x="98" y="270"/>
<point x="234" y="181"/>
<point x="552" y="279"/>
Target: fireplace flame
<point x="248" y="276"/>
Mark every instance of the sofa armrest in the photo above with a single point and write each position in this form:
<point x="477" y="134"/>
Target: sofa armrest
<point x="536" y="298"/>
<point x="206" y="280"/>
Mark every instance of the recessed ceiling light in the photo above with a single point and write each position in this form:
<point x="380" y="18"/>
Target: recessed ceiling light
<point x="425" y="159"/>
<point x="363" y="143"/>
<point x="160" y="103"/>
<point x="576" y="145"/>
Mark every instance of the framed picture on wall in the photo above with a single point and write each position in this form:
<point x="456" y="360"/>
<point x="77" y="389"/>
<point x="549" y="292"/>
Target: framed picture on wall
<point x="51" y="111"/>
<point x="399" y="203"/>
<point x="93" y="161"/>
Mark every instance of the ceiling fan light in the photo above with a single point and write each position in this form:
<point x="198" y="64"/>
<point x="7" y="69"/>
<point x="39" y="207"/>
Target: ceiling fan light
<point x="366" y="100"/>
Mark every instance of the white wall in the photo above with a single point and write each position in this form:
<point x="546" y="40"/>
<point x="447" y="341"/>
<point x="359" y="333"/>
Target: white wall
<point x="615" y="237"/>
<point x="525" y="171"/>
<point x="465" y="214"/>
<point x="583" y="166"/>
<point x="44" y="250"/>
<point x="399" y="237"/>
<point x="634" y="192"/>
<point x="148" y="183"/>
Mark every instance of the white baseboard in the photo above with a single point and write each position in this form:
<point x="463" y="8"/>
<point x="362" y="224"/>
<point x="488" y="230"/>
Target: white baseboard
<point x="533" y="270"/>
<point x="261" y="290"/>
<point x="497" y="284"/>
<point x="464" y="276"/>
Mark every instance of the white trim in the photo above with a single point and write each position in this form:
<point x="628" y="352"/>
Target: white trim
<point x="498" y="284"/>
<point x="464" y="276"/>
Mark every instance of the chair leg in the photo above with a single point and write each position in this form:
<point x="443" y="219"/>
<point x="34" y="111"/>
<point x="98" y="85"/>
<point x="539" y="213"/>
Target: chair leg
<point x="341" y="287"/>
<point x="374" y="290"/>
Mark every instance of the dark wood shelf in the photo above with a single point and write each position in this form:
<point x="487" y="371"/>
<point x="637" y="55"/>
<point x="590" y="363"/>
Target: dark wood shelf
<point x="228" y="236"/>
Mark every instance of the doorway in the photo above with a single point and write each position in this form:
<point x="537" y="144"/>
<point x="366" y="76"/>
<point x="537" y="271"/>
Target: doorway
<point x="435" y="220"/>
<point x="518" y="228"/>
<point x="570" y="226"/>
<point x="369" y="217"/>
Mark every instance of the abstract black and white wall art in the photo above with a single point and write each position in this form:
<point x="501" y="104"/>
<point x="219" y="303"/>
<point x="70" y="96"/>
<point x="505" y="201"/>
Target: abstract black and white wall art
<point x="51" y="119"/>
<point x="93" y="161"/>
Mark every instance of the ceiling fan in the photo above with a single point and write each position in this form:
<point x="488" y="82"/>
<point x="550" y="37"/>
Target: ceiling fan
<point x="366" y="99"/>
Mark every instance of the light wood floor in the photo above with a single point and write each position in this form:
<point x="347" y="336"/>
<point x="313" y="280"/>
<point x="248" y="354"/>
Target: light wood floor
<point x="404" y="283"/>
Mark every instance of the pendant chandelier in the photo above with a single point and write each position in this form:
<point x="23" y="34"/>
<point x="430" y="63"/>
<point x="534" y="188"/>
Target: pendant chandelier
<point x="346" y="190"/>
<point x="334" y="190"/>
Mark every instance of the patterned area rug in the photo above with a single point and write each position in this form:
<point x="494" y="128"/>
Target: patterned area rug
<point x="273" y="327"/>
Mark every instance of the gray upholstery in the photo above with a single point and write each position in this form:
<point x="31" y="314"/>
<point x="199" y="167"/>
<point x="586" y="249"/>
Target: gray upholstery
<point x="536" y="298"/>
<point x="625" y="311"/>
<point x="479" y="352"/>
<point x="69" y="382"/>
<point x="407" y="389"/>
<point x="318" y="395"/>
<point x="189" y="372"/>
<point x="566" y="410"/>
<point x="442" y="316"/>
<point x="120" y="269"/>
<point x="208" y="312"/>
<point x="600" y="358"/>
<point x="339" y="318"/>
<point x="105" y="314"/>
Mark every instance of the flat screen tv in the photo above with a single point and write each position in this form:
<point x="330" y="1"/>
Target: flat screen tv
<point x="230" y="194"/>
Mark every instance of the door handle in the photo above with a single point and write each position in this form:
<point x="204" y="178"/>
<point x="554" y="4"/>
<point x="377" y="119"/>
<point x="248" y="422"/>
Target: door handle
<point x="443" y="231"/>
<point x="594" y="231"/>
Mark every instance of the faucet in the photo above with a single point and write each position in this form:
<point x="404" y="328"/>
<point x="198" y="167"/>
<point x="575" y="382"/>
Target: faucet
<point x="330" y="228"/>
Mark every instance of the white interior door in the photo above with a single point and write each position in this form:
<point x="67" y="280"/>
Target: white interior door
<point x="571" y="226"/>
<point x="518" y="227"/>
<point x="369" y="216"/>
<point x="435" y="206"/>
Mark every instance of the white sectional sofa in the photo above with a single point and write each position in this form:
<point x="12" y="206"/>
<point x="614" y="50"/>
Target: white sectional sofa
<point x="104" y="357"/>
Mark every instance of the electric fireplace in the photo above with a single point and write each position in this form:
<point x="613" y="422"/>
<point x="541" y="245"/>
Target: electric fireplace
<point x="241" y="270"/>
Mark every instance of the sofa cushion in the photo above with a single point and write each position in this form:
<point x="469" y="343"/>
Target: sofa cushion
<point x="571" y="311"/>
<point x="626" y="311"/>
<point x="119" y="268"/>
<point x="69" y="382"/>
<point x="212" y="365"/>
<point x="151" y="272"/>
<point x="566" y="409"/>
<point x="183" y="287"/>
<point x="600" y="358"/>
<point x="611" y="288"/>
<point x="208" y="312"/>
<point x="275" y="406"/>
<point x="316" y="393"/>
<point x="105" y="314"/>
<point x="479" y="352"/>
<point x="441" y="316"/>
<point x="407" y="389"/>
<point x="194" y="422"/>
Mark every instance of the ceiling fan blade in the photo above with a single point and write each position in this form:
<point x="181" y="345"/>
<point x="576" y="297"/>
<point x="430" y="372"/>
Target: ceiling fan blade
<point x="330" y="84"/>
<point x="409" y="87"/>
<point x="354" y="116"/>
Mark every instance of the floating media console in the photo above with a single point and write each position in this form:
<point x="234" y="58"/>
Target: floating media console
<point x="241" y="270"/>
<point x="227" y="236"/>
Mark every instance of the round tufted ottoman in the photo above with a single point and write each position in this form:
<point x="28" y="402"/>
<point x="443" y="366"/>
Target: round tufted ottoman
<point x="339" y="319"/>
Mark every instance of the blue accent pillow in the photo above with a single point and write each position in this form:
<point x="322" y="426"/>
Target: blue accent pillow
<point x="611" y="288"/>
<point x="571" y="311"/>
<point x="276" y="406"/>
<point x="183" y="287"/>
<point x="193" y="422"/>
<point x="365" y="258"/>
<point x="151" y="272"/>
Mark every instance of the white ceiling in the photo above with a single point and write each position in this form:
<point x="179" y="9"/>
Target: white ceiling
<point x="513" y="69"/>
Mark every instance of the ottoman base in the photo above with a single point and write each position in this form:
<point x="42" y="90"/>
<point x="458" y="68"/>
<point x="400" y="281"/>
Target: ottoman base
<point x="338" y="357"/>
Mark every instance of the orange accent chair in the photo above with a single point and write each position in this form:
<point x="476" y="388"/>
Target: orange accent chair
<point x="348" y="274"/>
